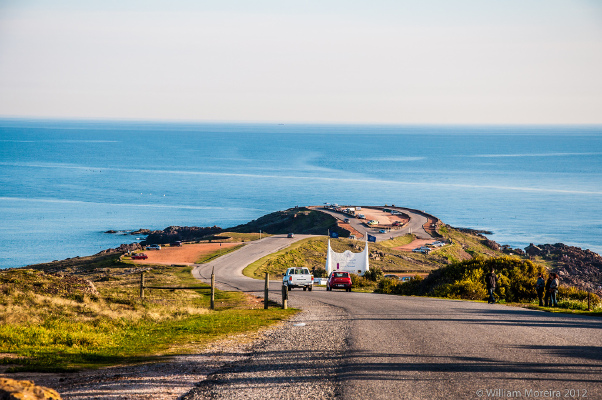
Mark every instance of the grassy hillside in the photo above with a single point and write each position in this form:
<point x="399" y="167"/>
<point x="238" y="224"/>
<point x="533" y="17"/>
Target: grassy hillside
<point x="294" y="220"/>
<point x="89" y="314"/>
<point x="311" y="253"/>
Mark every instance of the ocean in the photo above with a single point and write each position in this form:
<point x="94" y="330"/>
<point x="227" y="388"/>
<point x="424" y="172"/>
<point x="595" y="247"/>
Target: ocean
<point x="64" y="183"/>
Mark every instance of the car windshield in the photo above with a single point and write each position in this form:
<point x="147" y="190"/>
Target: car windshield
<point x="340" y="274"/>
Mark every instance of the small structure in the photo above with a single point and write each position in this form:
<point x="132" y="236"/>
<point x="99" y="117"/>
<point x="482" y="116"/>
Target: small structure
<point x="355" y="263"/>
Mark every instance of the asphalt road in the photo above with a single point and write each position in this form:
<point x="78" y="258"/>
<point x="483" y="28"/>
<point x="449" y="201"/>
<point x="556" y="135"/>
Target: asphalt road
<point x="422" y="348"/>
<point x="415" y="226"/>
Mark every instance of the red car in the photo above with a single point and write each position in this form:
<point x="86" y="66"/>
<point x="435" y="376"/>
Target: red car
<point x="339" y="280"/>
<point x="139" y="256"/>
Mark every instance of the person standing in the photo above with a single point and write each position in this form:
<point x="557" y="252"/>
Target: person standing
<point x="491" y="281"/>
<point x="554" y="291"/>
<point x="540" y="287"/>
<point x="546" y="299"/>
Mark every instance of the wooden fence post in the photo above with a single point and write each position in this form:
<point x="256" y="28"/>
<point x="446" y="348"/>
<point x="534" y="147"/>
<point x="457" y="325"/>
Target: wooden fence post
<point x="284" y="297"/>
<point x="265" y="291"/>
<point x="142" y="285"/>
<point x="213" y="288"/>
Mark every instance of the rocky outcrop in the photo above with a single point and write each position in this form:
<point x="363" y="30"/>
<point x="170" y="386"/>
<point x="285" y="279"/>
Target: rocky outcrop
<point x="574" y="266"/>
<point x="509" y="250"/>
<point x="491" y="244"/>
<point x="141" y="232"/>
<point x="476" y="232"/>
<point x="11" y="389"/>
<point x="180" y="233"/>
<point x="124" y="248"/>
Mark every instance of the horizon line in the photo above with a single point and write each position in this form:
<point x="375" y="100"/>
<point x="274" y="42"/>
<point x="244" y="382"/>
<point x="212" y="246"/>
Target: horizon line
<point x="284" y="123"/>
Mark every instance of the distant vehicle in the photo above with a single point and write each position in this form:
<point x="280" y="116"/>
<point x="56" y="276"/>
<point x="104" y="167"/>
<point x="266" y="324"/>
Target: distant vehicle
<point x="373" y="222"/>
<point x="406" y="279"/>
<point x="176" y="244"/>
<point x="290" y="235"/>
<point x="346" y="220"/>
<point x="396" y="223"/>
<point x="438" y="244"/>
<point x="358" y="208"/>
<point x="298" y="277"/>
<point x="395" y="212"/>
<point x="352" y="237"/>
<point x="153" y="247"/>
<point x="392" y="276"/>
<point x="139" y="256"/>
<point x="361" y="216"/>
<point x="423" y="249"/>
<point x="382" y="231"/>
<point x="339" y="280"/>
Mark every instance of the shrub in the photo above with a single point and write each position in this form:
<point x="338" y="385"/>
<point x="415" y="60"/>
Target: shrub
<point x="319" y="273"/>
<point x="576" y="299"/>
<point x="374" y="274"/>
<point x="360" y="281"/>
<point x="466" y="280"/>
<point x="408" y="288"/>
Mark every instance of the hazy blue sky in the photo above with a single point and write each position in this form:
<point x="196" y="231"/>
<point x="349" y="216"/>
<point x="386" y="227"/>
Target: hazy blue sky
<point x="377" y="61"/>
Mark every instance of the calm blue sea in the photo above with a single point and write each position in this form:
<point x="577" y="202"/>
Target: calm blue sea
<point x="63" y="183"/>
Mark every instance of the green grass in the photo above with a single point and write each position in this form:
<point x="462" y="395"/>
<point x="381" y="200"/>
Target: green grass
<point x="305" y="252"/>
<point x="242" y="237"/>
<point x="54" y="323"/>
<point x="397" y="242"/>
<point x="212" y="256"/>
<point x="60" y="345"/>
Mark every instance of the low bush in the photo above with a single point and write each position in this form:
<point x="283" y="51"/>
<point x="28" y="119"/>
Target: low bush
<point x="361" y="281"/>
<point x="466" y="280"/>
<point x="319" y="273"/>
<point x="408" y="288"/>
<point x="374" y="274"/>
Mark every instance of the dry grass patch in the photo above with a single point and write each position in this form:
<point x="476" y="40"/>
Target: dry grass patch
<point x="53" y="322"/>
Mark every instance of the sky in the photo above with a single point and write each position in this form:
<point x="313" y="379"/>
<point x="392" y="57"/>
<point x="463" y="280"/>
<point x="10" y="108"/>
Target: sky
<point x="325" y="61"/>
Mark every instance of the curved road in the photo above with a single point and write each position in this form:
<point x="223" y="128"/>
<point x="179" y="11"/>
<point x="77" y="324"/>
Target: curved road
<point x="421" y="348"/>
<point x="415" y="226"/>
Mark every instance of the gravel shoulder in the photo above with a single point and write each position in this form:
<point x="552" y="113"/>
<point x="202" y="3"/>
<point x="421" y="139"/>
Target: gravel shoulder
<point x="169" y="379"/>
<point x="301" y="359"/>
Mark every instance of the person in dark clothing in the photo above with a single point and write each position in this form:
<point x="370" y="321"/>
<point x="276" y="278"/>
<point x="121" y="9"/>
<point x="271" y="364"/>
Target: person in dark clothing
<point x="546" y="299"/>
<point x="491" y="281"/>
<point x="540" y="287"/>
<point x="554" y="291"/>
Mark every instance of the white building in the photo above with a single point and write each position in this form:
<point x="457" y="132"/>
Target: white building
<point x="356" y="263"/>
